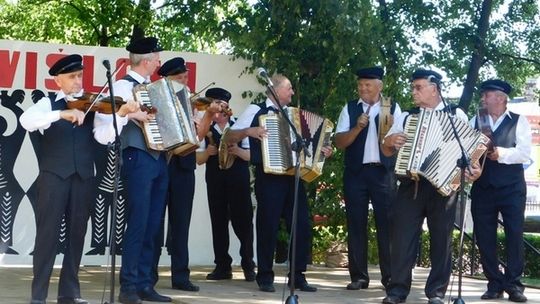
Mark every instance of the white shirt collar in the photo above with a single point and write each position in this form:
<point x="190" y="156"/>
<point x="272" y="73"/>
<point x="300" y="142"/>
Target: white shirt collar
<point x="137" y="76"/>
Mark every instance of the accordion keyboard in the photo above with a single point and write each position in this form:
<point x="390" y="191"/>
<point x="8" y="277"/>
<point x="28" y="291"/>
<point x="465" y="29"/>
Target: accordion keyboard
<point x="151" y="127"/>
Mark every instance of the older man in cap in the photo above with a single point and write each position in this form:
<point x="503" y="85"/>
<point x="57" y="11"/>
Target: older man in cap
<point x="417" y="200"/>
<point x="368" y="175"/>
<point x="229" y="195"/>
<point x="66" y="177"/>
<point x="182" y="186"/>
<point x="144" y="173"/>
<point x="501" y="189"/>
<point x="275" y="193"/>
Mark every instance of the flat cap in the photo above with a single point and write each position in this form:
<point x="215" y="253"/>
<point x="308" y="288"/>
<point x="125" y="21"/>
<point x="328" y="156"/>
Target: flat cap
<point x="144" y="46"/>
<point x="375" y="72"/>
<point x="426" y="74"/>
<point x="496" y="85"/>
<point x="218" y="93"/>
<point x="68" y="64"/>
<point x="173" y="66"/>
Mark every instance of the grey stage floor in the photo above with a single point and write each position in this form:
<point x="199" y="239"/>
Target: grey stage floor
<point x="15" y="288"/>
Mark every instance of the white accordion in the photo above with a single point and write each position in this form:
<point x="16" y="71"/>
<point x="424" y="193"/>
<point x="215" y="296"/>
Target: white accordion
<point x="173" y="128"/>
<point x="431" y="151"/>
<point x="278" y="157"/>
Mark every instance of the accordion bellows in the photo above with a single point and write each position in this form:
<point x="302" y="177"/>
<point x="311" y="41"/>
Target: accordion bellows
<point x="173" y="128"/>
<point x="278" y="156"/>
<point x="431" y="150"/>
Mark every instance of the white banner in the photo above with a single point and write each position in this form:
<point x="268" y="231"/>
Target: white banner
<point x="24" y="79"/>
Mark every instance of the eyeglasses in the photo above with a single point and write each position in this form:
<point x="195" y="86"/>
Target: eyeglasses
<point x="419" y="87"/>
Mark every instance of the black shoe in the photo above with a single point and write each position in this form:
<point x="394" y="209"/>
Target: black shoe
<point x="435" y="300"/>
<point x="517" y="296"/>
<point x="219" y="275"/>
<point x="393" y="300"/>
<point x="492" y="295"/>
<point x="186" y="286"/>
<point x="304" y="286"/>
<point x="249" y="275"/>
<point x="151" y="295"/>
<point x="37" y="302"/>
<point x="267" y="287"/>
<point x="66" y="300"/>
<point x="355" y="285"/>
<point x="129" y="298"/>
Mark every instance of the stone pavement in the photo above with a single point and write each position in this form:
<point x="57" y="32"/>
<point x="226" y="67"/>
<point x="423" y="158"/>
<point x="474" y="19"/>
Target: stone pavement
<point x="15" y="288"/>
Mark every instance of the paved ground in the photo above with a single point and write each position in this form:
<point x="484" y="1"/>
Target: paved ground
<point x="15" y="288"/>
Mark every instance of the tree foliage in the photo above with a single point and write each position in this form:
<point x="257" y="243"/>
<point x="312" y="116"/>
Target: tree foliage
<point x="317" y="44"/>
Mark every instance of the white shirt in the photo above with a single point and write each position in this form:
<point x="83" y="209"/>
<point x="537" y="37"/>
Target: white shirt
<point x="397" y="127"/>
<point x="124" y="88"/>
<point x="246" y="118"/>
<point x="40" y="116"/>
<point x="520" y="154"/>
<point x="371" y="148"/>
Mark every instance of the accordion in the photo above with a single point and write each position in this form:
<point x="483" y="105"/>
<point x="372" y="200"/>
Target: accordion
<point x="431" y="151"/>
<point x="278" y="156"/>
<point x="173" y="128"/>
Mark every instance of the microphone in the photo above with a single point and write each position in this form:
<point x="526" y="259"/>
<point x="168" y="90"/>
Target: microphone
<point x="106" y="64"/>
<point x="263" y="74"/>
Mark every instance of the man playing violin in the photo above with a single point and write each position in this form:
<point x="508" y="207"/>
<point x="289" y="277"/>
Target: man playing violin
<point x="229" y="195"/>
<point x="66" y="177"/>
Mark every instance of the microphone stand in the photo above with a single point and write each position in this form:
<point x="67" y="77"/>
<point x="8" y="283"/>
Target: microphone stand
<point x="117" y="164"/>
<point x="298" y="146"/>
<point x="463" y="163"/>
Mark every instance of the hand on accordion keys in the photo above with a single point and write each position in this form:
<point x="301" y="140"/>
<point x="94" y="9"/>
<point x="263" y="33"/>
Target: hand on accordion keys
<point x="257" y="132"/>
<point x="395" y="141"/>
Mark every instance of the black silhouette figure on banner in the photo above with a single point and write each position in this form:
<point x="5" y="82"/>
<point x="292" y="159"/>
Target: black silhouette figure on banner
<point x="31" y="193"/>
<point x="105" y="158"/>
<point x="11" y="192"/>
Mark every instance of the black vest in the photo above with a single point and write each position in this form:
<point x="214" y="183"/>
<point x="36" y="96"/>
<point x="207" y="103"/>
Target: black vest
<point x="65" y="149"/>
<point x="497" y="174"/>
<point x="354" y="153"/>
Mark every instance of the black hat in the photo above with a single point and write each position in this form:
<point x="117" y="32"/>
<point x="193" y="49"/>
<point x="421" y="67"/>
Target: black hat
<point x="68" y="64"/>
<point x="144" y="46"/>
<point x="496" y="85"/>
<point x="173" y="66"/>
<point x="427" y="74"/>
<point x="218" y="93"/>
<point x="375" y="72"/>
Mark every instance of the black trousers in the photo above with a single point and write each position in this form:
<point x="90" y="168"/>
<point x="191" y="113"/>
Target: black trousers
<point x="181" y="193"/>
<point x="55" y="197"/>
<point x="275" y="197"/>
<point x="408" y="215"/>
<point x="369" y="184"/>
<point x="487" y="203"/>
<point x="229" y="199"/>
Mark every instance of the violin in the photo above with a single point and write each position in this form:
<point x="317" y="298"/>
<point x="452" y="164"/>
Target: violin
<point x="202" y="103"/>
<point x="89" y="102"/>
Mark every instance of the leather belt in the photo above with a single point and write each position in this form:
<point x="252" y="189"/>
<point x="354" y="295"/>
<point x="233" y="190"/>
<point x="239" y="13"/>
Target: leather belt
<point x="372" y="164"/>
